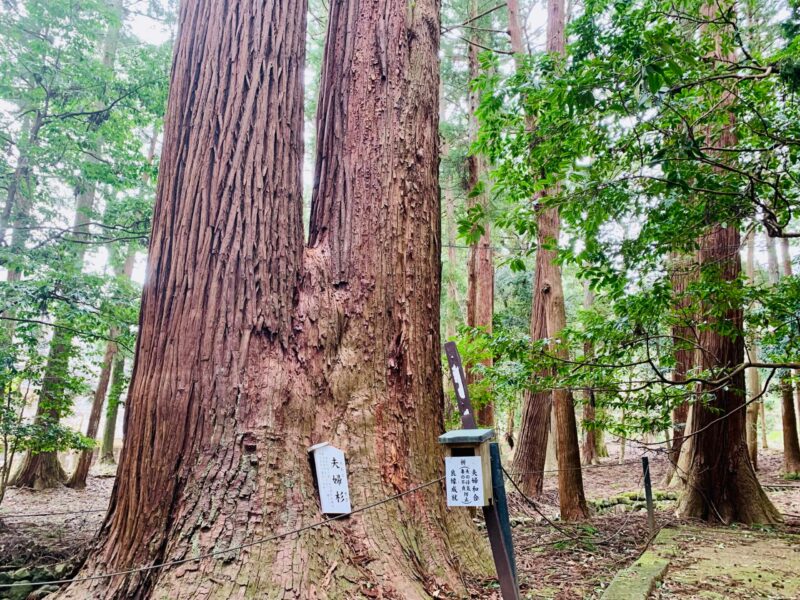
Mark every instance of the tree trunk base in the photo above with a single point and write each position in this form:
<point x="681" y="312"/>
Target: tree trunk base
<point x="791" y="444"/>
<point x="735" y="498"/>
<point x="39" y="472"/>
<point x="77" y="481"/>
<point x="108" y="459"/>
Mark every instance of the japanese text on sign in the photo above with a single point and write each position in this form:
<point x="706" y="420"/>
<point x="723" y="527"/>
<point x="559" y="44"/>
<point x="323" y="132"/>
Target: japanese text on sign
<point x="334" y="492"/>
<point x="464" y="481"/>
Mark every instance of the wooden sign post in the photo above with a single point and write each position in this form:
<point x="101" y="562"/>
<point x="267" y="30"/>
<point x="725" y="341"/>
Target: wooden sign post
<point x="648" y="495"/>
<point x="495" y="513"/>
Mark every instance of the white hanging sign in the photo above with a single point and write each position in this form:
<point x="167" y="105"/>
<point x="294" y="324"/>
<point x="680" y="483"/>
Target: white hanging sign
<point x="331" y="471"/>
<point x="464" y="480"/>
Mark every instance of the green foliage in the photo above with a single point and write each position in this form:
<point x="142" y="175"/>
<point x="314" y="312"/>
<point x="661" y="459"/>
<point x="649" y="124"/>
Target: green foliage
<point x="81" y="104"/>
<point x="645" y="142"/>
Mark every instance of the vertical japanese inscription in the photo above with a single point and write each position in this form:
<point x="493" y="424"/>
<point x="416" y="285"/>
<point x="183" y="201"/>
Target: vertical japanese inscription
<point x="331" y="471"/>
<point x="464" y="481"/>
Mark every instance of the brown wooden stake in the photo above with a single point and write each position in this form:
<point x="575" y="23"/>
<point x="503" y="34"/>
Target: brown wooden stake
<point x="498" y="525"/>
<point x="648" y="495"/>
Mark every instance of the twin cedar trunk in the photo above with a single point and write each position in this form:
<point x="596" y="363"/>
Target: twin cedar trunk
<point x="253" y="347"/>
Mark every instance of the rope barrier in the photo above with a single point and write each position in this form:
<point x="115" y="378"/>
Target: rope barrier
<point x="101" y="510"/>
<point x="565" y="533"/>
<point x="257" y="542"/>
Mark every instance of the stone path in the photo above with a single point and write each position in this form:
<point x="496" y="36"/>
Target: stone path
<point x="713" y="563"/>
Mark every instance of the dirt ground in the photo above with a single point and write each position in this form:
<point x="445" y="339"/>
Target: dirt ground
<point x="575" y="562"/>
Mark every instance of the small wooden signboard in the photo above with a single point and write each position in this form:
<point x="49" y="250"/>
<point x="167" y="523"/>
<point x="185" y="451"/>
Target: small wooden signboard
<point x="331" y="476"/>
<point x="464" y="481"/>
<point x="467" y="467"/>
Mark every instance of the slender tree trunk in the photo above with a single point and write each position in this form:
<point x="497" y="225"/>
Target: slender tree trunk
<point x="531" y="450"/>
<point x="515" y="30"/>
<point x="510" y="426"/>
<point x="601" y="450"/>
<point x="19" y="203"/>
<point x="684" y="342"/>
<point x="252" y="347"/>
<point x="548" y="318"/>
<point x="589" y="448"/>
<point x="752" y="378"/>
<point x="480" y="283"/>
<point x="112" y="409"/>
<point x="534" y="428"/>
<point x="570" y="477"/>
<point x="78" y="478"/>
<point x="791" y="441"/>
<point x="42" y="470"/>
<point x="791" y="445"/>
<point x="786" y="261"/>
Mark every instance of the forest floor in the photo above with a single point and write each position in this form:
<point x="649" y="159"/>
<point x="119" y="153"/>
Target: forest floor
<point x="571" y="562"/>
<point x="555" y="565"/>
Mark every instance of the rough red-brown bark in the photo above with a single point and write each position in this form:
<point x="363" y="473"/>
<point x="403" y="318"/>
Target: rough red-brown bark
<point x="252" y="348"/>
<point x="480" y="280"/>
